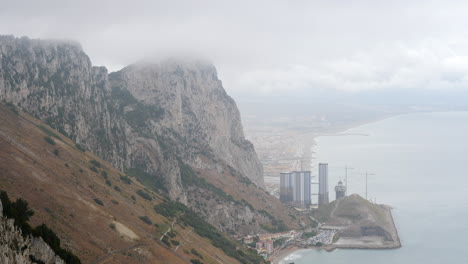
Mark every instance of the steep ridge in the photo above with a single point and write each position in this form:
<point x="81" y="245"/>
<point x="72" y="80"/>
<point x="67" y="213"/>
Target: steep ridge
<point x="100" y="214"/>
<point x="170" y="124"/>
<point x="193" y="106"/>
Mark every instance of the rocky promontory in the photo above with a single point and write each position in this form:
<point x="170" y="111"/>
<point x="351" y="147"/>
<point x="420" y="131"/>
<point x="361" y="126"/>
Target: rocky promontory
<point x="359" y="224"/>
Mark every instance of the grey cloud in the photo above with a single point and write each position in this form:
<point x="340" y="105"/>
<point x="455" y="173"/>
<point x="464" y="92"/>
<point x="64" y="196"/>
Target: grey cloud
<point x="268" y="45"/>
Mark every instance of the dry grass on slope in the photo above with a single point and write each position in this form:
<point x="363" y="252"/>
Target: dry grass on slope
<point x="96" y="214"/>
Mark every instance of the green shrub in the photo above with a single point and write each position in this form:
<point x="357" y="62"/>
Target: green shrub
<point x="56" y="152"/>
<point x="95" y="163"/>
<point x="108" y="182"/>
<point x="49" y="132"/>
<point x="307" y="235"/>
<point x="204" y="229"/>
<point x="117" y="188"/>
<point x="54" y="242"/>
<point x="94" y="169"/>
<point x="195" y="261"/>
<point x="144" y="195"/>
<point x="49" y="140"/>
<point x="146" y="219"/>
<point x="96" y="200"/>
<point x="153" y="182"/>
<point x="196" y="253"/>
<point x="80" y="147"/>
<point x="170" y="208"/>
<point x="125" y="179"/>
<point x="20" y="212"/>
<point x="175" y="242"/>
<point x="171" y="234"/>
<point x="189" y="178"/>
<point x="165" y="240"/>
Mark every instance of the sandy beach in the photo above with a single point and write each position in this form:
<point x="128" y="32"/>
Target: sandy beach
<point x="279" y="256"/>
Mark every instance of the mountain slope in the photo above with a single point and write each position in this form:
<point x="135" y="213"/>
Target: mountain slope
<point x="169" y="124"/>
<point x="99" y="213"/>
<point x="193" y="106"/>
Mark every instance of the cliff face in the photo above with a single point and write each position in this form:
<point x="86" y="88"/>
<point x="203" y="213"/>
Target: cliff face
<point x="147" y="120"/>
<point x="194" y="110"/>
<point x="14" y="248"/>
<point x="55" y="81"/>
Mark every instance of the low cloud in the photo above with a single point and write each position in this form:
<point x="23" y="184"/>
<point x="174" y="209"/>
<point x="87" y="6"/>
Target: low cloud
<point x="385" y="67"/>
<point x="268" y="46"/>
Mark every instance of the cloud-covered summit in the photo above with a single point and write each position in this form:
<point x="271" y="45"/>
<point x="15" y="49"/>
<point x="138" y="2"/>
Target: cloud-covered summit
<point x="269" y="45"/>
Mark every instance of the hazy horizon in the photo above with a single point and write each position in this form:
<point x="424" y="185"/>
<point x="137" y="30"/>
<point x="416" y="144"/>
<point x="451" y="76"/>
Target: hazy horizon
<point x="158" y="164"/>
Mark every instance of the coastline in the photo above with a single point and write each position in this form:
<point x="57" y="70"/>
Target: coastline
<point x="281" y="255"/>
<point x="278" y="257"/>
<point x="394" y="244"/>
<point x="308" y="150"/>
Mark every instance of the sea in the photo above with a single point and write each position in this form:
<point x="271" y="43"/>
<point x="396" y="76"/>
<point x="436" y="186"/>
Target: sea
<point x="416" y="163"/>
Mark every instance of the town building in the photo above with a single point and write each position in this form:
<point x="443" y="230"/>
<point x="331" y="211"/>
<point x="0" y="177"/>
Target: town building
<point x="248" y="239"/>
<point x="264" y="245"/>
<point x="323" y="184"/>
<point x="295" y="187"/>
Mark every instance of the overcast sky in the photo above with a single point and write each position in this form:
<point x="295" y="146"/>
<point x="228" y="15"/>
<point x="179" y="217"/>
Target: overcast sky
<point x="268" y="46"/>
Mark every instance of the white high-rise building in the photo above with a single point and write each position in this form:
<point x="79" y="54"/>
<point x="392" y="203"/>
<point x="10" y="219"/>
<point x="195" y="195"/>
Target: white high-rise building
<point x="323" y="184"/>
<point x="295" y="187"/>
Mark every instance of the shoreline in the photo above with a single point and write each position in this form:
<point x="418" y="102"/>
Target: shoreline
<point x="280" y="256"/>
<point x="283" y="253"/>
<point x="338" y="130"/>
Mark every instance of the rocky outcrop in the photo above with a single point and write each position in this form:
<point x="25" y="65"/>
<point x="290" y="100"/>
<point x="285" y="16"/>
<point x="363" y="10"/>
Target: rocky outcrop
<point x="193" y="108"/>
<point x="148" y="117"/>
<point x="16" y="249"/>
<point x="55" y="81"/>
<point x="359" y="220"/>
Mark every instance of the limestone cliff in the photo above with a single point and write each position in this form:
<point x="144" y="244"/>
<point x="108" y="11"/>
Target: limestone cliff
<point x="55" y="81"/>
<point x="148" y="119"/>
<point x="194" y="109"/>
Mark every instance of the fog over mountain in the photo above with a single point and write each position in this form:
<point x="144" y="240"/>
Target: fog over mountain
<point x="267" y="47"/>
<point x="201" y="131"/>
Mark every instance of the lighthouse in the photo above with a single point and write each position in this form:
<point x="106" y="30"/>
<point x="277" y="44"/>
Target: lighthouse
<point x="340" y="190"/>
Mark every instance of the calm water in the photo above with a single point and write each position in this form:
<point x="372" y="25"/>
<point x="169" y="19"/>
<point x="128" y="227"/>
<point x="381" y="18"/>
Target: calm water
<point x="420" y="162"/>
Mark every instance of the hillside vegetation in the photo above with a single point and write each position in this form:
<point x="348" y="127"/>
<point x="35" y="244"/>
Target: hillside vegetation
<point x="99" y="213"/>
<point x="169" y="125"/>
